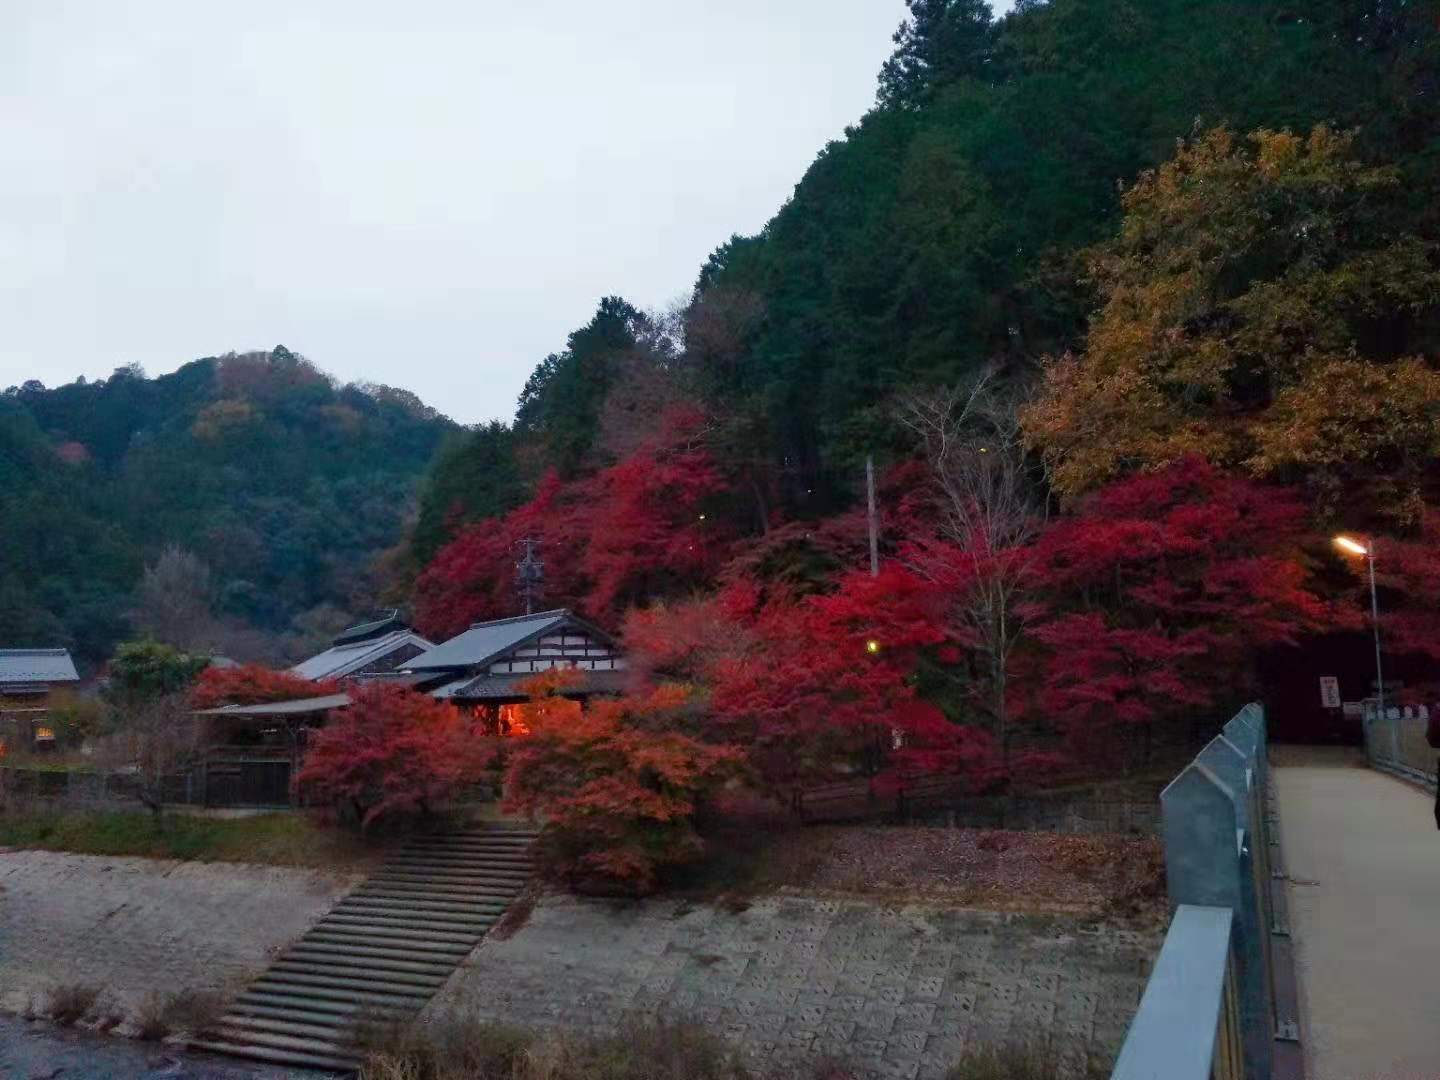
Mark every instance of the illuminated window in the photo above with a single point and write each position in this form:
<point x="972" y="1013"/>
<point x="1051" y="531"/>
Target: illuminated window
<point x="44" y="734"/>
<point x="512" y="720"/>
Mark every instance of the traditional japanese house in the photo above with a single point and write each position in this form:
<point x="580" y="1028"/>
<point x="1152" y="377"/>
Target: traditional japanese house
<point x="484" y="668"/>
<point x="254" y="750"/>
<point x="28" y="680"/>
<point x="371" y="650"/>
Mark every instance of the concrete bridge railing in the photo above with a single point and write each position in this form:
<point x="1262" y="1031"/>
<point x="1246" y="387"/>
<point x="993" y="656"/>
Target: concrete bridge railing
<point x="1396" y="742"/>
<point x="1209" y="1010"/>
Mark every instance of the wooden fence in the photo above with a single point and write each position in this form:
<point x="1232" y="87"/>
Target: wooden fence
<point x="219" y="781"/>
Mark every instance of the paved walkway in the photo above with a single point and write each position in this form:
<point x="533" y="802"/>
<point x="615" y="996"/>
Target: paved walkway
<point x="1363" y="856"/>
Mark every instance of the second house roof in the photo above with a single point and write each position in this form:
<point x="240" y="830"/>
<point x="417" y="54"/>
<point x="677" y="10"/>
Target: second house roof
<point x="486" y="641"/>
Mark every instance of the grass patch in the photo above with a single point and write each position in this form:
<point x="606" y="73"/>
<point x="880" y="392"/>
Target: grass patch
<point x="460" y="1047"/>
<point x="276" y="839"/>
<point x="1014" y="1063"/>
<point x="190" y="1011"/>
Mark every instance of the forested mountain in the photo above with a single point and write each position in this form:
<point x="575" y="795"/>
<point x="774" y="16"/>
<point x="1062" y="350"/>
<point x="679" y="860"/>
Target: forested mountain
<point x="949" y="230"/>
<point x="275" y="489"/>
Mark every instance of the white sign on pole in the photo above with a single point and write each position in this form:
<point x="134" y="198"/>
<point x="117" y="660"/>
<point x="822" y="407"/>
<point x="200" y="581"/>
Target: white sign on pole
<point x="1330" y="691"/>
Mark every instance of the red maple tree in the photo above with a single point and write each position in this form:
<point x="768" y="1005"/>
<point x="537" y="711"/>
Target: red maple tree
<point x="649" y="532"/>
<point x="625" y="535"/>
<point x="392" y="754"/>
<point x="472" y="578"/>
<point x="1410" y="570"/>
<point x="1159" y="592"/>
<point x="828" y="684"/>
<point x="253" y="684"/>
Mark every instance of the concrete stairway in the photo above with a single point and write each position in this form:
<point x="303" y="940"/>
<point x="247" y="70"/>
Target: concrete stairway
<point x="381" y="953"/>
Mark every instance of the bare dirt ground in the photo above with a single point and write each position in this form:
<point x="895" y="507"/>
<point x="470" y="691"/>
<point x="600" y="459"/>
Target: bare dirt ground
<point x="1097" y="875"/>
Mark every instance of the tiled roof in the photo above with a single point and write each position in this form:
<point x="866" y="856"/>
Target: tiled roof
<point x="37" y="665"/>
<point x="483" y="642"/>
<point x="340" y="660"/>
<point x="385" y="623"/>
<point x="298" y="707"/>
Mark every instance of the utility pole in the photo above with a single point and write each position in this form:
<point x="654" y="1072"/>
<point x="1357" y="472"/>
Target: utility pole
<point x="529" y="574"/>
<point x="872" y="515"/>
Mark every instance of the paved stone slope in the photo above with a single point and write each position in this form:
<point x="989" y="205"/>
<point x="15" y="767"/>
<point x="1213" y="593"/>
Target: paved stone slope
<point x="896" y="991"/>
<point x="131" y="926"/>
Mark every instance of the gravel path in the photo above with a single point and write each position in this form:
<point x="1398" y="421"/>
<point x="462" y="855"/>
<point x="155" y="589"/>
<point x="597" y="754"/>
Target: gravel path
<point x="132" y="926"/>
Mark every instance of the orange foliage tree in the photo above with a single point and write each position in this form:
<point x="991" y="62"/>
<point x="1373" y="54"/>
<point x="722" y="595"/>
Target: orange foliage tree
<point x="619" y="783"/>
<point x="1267" y="305"/>
<point x="253" y="685"/>
<point x="392" y="754"/>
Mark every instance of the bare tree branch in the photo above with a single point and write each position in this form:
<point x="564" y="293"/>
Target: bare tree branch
<point x="990" y="511"/>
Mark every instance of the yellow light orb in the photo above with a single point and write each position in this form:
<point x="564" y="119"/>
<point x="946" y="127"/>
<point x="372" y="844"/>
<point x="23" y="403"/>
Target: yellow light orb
<point x="872" y="646"/>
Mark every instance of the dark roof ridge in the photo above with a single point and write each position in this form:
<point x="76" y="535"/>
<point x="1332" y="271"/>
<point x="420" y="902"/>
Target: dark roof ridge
<point x="552" y="613"/>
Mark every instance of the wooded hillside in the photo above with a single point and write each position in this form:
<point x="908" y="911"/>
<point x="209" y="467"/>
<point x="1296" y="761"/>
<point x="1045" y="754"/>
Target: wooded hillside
<point x="1133" y="304"/>
<point x="275" y="489"/>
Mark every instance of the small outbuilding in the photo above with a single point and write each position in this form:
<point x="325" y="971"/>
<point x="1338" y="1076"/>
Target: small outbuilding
<point x="28" y="681"/>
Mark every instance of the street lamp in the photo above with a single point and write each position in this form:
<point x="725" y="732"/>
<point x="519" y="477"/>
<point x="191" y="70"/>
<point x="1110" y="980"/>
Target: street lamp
<point x="1354" y="547"/>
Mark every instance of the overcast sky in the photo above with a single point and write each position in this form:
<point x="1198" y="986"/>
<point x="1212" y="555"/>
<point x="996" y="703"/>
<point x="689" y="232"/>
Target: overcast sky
<point x="429" y="194"/>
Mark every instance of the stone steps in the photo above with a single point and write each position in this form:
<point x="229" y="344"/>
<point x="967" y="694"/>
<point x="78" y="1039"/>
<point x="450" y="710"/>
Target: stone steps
<point x="379" y="954"/>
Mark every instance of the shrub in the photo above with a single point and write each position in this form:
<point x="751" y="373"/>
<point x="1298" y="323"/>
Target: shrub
<point x="74" y="718"/>
<point x="619" y="783"/>
<point x="194" y="1011"/>
<point x="151" y="1020"/>
<point x="393" y="754"/>
<point x="190" y="1011"/>
<point x="451" y="1047"/>
<point x="69" y="1003"/>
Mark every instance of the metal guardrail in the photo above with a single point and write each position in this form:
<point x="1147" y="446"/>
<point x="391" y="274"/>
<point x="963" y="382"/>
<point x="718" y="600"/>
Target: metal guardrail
<point x="1396" y="742"/>
<point x="1221" y="963"/>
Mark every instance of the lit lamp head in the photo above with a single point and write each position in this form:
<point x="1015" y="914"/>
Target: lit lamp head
<point x="1354" y="547"/>
<point x="872" y="646"/>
